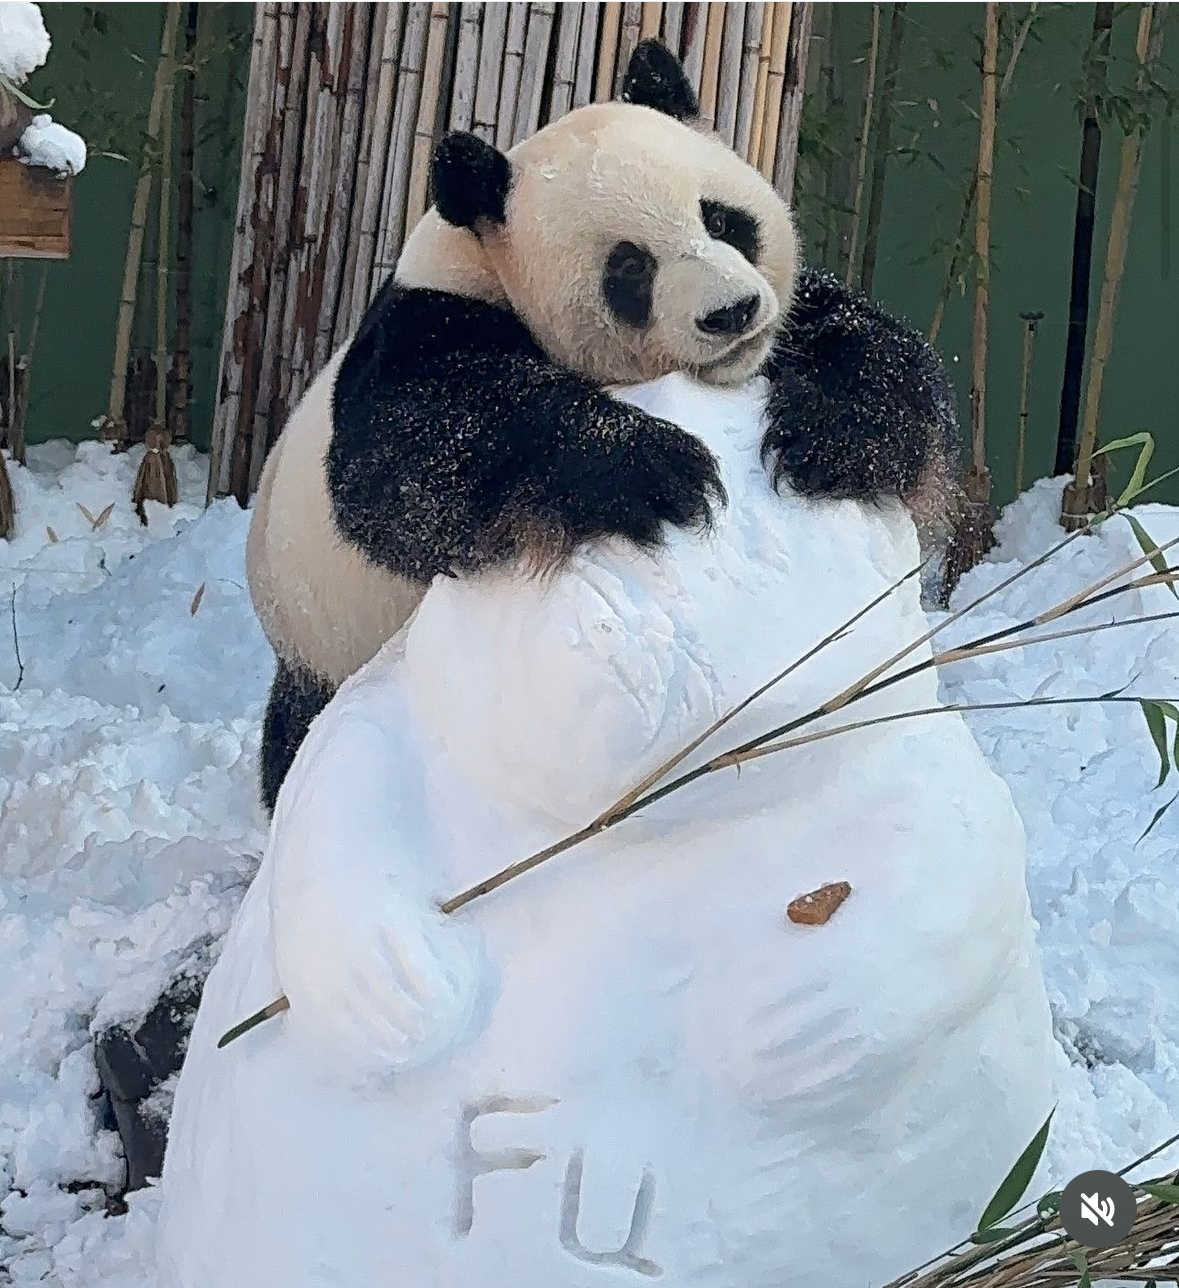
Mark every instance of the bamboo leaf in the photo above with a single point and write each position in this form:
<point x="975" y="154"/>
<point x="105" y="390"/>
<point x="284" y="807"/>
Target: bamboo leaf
<point x="1162" y="809"/>
<point x="1016" y="1182"/>
<point x="1145" y="444"/>
<point x="1156" y="722"/>
<point x="1151" y="548"/>
<point x="992" y="1235"/>
<point x="1168" y="1193"/>
<point x="6" y="84"/>
<point x="1082" y="1264"/>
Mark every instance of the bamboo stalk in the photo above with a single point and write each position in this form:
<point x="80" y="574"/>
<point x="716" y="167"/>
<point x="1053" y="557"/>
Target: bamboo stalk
<point x="505" y="125"/>
<point x="628" y="40"/>
<point x="179" y="422"/>
<point x="692" y="38"/>
<point x="164" y="237"/>
<point x="113" y="424"/>
<point x="673" y="21"/>
<point x="428" y="112"/>
<point x="651" y="21"/>
<point x="1078" y="313"/>
<point x="396" y="186"/>
<point x="243" y="275"/>
<point x="756" y="138"/>
<point x="862" y="151"/>
<point x="607" y="52"/>
<point x="881" y="145"/>
<point x="1078" y="501"/>
<point x="775" y="87"/>
<point x="710" y="71"/>
<point x="587" y="48"/>
<point x="564" y="67"/>
<point x="1030" y="321"/>
<point x="732" y="52"/>
<point x="794" y="81"/>
<point x="491" y="59"/>
<point x="757" y="33"/>
<point x="466" y="67"/>
<point x="532" y="70"/>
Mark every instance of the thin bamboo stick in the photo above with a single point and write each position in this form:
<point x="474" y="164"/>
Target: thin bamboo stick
<point x="587" y="49"/>
<point x="164" y="236"/>
<point x="790" y="118"/>
<point x="751" y="78"/>
<point x="673" y="26"/>
<point x="628" y="39"/>
<point x="182" y="342"/>
<point x="881" y="145"/>
<point x="607" y="52"/>
<point x="509" y="90"/>
<point x="982" y="242"/>
<point x="466" y="67"/>
<point x="491" y="60"/>
<point x="710" y="74"/>
<point x="114" y="426"/>
<point x="775" y="87"/>
<point x="428" y="112"/>
<point x="758" y="123"/>
<point x="732" y="51"/>
<point x="862" y="151"/>
<point x="564" y="67"/>
<point x="692" y="39"/>
<point x="532" y="70"/>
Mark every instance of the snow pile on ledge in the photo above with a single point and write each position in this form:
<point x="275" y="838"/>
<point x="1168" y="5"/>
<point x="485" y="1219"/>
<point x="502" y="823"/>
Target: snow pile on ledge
<point x="24" y="42"/>
<point x="128" y="822"/>
<point x="45" y="143"/>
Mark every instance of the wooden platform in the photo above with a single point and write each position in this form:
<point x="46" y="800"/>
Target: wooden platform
<point x="35" y="210"/>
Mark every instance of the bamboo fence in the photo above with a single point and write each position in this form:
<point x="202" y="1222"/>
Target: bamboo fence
<point x="345" y="103"/>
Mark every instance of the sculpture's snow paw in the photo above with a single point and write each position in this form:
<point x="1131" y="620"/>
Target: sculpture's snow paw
<point x="377" y="977"/>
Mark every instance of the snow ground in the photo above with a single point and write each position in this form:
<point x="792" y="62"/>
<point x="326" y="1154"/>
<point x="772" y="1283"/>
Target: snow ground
<point x="128" y="823"/>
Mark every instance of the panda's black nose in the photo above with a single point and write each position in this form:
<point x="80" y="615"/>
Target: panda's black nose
<point x="733" y="319"/>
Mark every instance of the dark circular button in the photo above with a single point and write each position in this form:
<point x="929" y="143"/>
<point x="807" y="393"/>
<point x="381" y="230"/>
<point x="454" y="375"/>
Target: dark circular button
<point x="1097" y="1209"/>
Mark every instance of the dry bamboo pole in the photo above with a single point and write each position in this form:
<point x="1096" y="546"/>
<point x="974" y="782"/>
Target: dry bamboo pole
<point x="466" y="67"/>
<point x="273" y="212"/>
<point x="607" y="52"/>
<point x="1078" y="501"/>
<point x="491" y="59"/>
<point x="757" y="33"/>
<point x="509" y="90"/>
<point x="732" y="51"/>
<point x="794" y="82"/>
<point x="651" y="21"/>
<point x="758" y="121"/>
<point x="673" y="21"/>
<point x="710" y="72"/>
<point x="429" y="108"/>
<point x="347" y="191"/>
<point x="628" y="40"/>
<point x="113" y="424"/>
<point x="384" y="46"/>
<point x="695" y="28"/>
<point x="587" y="48"/>
<point x="775" y="87"/>
<point x="396" y="186"/>
<point x="235" y="337"/>
<point x="862" y="151"/>
<point x="564" y="66"/>
<point x="532" y="70"/>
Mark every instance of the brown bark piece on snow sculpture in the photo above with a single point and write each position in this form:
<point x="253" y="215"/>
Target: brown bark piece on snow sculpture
<point x="818" y="906"/>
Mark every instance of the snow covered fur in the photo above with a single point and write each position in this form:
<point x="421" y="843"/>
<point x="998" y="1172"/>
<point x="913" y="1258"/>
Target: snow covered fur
<point x="468" y="422"/>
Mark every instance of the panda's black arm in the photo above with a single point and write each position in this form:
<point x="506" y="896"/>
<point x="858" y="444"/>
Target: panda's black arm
<point x="457" y="443"/>
<point x="860" y="405"/>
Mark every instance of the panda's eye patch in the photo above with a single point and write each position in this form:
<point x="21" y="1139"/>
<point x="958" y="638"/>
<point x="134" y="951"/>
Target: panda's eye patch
<point x="628" y="283"/>
<point x="737" y="228"/>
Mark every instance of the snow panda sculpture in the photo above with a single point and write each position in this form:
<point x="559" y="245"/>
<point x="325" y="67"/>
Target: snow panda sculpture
<point x="466" y="424"/>
<point x="629" y="1065"/>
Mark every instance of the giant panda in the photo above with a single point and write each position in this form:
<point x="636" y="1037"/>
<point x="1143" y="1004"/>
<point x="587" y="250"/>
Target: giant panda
<point x="468" y="421"/>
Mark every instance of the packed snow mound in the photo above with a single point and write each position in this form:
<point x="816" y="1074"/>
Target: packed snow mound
<point x="45" y="143"/>
<point x="649" y="1067"/>
<point x="24" y="42"/>
<point x="128" y="823"/>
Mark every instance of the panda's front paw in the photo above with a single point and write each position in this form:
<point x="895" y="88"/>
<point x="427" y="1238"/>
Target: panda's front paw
<point x="648" y="474"/>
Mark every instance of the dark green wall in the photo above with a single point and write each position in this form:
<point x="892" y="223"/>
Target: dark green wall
<point x="1035" y="192"/>
<point x="100" y="72"/>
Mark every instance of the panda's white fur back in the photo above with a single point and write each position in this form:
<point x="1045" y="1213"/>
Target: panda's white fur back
<point x="321" y="603"/>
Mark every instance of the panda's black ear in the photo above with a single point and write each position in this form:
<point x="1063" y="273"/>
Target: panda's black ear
<point x="470" y="181"/>
<point x="655" y="78"/>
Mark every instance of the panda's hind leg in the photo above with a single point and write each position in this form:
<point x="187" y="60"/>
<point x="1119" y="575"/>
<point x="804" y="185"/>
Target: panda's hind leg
<point x="297" y="696"/>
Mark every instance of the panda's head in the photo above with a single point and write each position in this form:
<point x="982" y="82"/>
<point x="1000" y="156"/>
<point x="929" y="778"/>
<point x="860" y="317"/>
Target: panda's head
<point x="630" y="242"/>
